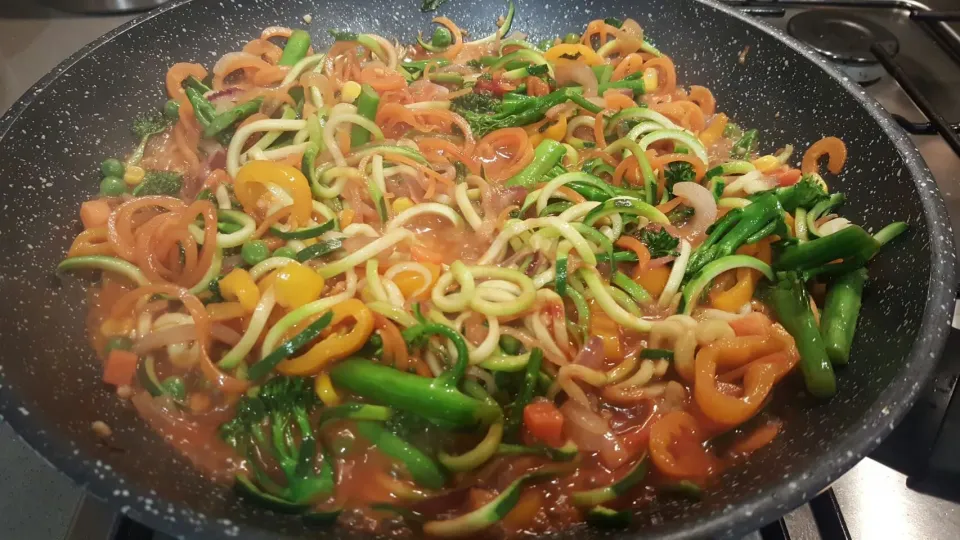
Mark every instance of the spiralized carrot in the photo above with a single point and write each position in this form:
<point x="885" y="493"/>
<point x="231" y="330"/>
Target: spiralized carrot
<point x="835" y="150"/>
<point x="201" y="320"/>
<point x="629" y="167"/>
<point x="175" y="77"/>
<point x="629" y="65"/>
<point x="616" y="101"/>
<point x="393" y="342"/>
<point x="634" y="245"/>
<point x="703" y="97"/>
<point x="436" y="150"/>
<point x="505" y="152"/>
<point x="454" y="49"/>
<point x="699" y="168"/>
<point x="264" y="49"/>
<point x="598" y="123"/>
<point x="668" y="74"/>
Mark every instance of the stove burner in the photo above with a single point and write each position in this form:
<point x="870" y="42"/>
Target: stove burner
<point x="845" y="39"/>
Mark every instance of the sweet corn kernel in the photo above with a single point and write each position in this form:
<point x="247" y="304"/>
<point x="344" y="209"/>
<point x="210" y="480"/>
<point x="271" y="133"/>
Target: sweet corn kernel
<point x="766" y="163"/>
<point x="350" y="91"/>
<point x="401" y="204"/>
<point x="133" y="175"/>
<point x="651" y="79"/>
<point x="115" y="327"/>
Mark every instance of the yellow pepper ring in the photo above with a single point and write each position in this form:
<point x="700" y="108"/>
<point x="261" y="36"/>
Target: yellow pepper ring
<point x="251" y="184"/>
<point x="336" y="346"/>
<point x="586" y="54"/>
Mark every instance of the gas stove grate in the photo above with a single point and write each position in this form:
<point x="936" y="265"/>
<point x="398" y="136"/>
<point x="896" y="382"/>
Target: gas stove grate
<point x="931" y="21"/>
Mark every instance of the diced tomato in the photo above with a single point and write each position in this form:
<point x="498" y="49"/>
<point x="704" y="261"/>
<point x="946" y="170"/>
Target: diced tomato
<point x="544" y="422"/>
<point x="494" y="85"/>
<point x="754" y="324"/>
<point x="94" y="213"/>
<point x="787" y="177"/>
<point x="120" y="368"/>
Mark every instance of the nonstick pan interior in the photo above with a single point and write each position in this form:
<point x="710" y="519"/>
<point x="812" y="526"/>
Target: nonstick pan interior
<point x="53" y="139"/>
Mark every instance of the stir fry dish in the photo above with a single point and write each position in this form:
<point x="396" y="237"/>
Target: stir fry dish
<point x="464" y="287"/>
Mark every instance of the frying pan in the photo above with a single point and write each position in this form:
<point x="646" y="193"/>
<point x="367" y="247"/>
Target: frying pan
<point x="53" y="138"/>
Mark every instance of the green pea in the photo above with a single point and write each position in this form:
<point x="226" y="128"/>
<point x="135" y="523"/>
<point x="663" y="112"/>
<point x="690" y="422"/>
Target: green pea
<point x="545" y="44"/>
<point x="254" y="251"/>
<point x="171" y="109"/>
<point x="121" y="343"/>
<point x="441" y="38"/>
<point x="571" y="38"/>
<point x="111" y="167"/>
<point x="285" y="251"/>
<point x="112" y="186"/>
<point x="510" y="345"/>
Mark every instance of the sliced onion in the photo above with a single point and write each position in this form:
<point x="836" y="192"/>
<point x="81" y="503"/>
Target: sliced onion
<point x="584" y="420"/>
<point x="591" y="432"/>
<point x="577" y="72"/>
<point x="591" y="355"/>
<point x="171" y="335"/>
<point x="703" y="204"/>
<point x="427" y="91"/>
<point x="629" y="37"/>
<point x="225" y="334"/>
<point x="832" y="226"/>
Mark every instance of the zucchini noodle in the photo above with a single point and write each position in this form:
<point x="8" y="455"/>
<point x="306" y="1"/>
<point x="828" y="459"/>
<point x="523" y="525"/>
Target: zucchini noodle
<point x="361" y="255"/>
<point x="676" y="275"/>
<point x="244" y="133"/>
<point x="258" y="321"/>
<point x="425" y="208"/>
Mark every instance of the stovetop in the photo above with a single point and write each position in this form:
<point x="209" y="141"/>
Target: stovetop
<point x="906" y="489"/>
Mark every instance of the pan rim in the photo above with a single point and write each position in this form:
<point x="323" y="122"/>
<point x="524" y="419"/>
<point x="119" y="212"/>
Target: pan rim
<point x="748" y="515"/>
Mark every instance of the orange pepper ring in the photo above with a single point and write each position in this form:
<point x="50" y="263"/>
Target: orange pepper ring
<point x="662" y="435"/>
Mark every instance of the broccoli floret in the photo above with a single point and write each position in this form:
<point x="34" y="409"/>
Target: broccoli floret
<point x="680" y="215"/>
<point x="804" y="194"/>
<point x="476" y="102"/>
<point x="658" y="241"/>
<point x="678" y="171"/>
<point x="485" y="113"/>
<point x="159" y="183"/>
<point x="146" y="126"/>
<point x="747" y="145"/>
<point x="275" y="426"/>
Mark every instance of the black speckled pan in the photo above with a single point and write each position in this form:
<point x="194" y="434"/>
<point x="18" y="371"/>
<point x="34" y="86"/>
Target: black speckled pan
<point x="52" y="140"/>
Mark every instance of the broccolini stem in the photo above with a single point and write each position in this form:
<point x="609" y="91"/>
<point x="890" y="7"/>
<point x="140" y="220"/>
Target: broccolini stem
<point x="424" y="470"/>
<point x="839" y="319"/>
<point x="789" y="299"/>
<point x="227" y="118"/>
<point x="296" y="48"/>
<point x="367" y="104"/>
<point x="548" y="153"/>
<point x="890" y="232"/>
<point x="852" y="244"/>
<point x="636" y="86"/>
<point x="515" y="414"/>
